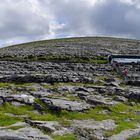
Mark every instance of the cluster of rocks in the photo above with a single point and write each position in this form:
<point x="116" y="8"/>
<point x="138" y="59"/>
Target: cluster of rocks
<point x="72" y="47"/>
<point x="65" y="86"/>
<point x="86" y="96"/>
<point x="51" y="72"/>
<point x="25" y="133"/>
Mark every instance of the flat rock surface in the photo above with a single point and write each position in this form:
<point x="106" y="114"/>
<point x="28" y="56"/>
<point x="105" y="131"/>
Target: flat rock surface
<point x="65" y="104"/>
<point x="26" y="133"/>
<point x="91" y="129"/>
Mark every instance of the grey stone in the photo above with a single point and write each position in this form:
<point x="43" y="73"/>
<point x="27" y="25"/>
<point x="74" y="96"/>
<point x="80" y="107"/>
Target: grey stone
<point x="100" y="100"/>
<point x="26" y="133"/>
<point x="121" y="98"/>
<point x="55" y="103"/>
<point x="49" y="126"/>
<point x="91" y="129"/>
<point x="23" y="98"/>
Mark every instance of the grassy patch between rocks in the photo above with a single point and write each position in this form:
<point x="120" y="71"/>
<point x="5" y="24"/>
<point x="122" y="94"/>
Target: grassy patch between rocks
<point x="124" y="115"/>
<point x="134" y="138"/>
<point x="16" y="110"/>
<point x="16" y="127"/>
<point x="59" y="58"/>
<point x="8" y="120"/>
<point x="16" y="84"/>
<point x="64" y="137"/>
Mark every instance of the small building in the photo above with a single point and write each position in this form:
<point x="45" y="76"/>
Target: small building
<point x="126" y="59"/>
<point x="128" y="66"/>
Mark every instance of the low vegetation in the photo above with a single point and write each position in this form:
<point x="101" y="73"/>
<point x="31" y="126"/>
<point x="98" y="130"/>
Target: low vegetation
<point x="64" y="137"/>
<point x="134" y="138"/>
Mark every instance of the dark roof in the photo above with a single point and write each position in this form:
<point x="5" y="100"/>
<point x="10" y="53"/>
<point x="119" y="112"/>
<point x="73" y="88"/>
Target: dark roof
<point x="123" y="56"/>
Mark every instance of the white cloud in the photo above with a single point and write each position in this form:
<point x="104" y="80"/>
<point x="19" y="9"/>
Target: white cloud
<point x="27" y="20"/>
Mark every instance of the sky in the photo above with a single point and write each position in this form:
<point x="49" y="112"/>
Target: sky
<point x="28" y="20"/>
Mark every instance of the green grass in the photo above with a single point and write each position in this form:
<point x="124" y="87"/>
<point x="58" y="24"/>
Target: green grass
<point x="16" y="110"/>
<point x="117" y="112"/>
<point x="65" y="58"/>
<point x="122" y="125"/>
<point x="8" y="120"/>
<point x="16" y="84"/>
<point x="134" y="138"/>
<point x="76" y="39"/>
<point x="120" y="113"/>
<point x="64" y="137"/>
<point x="16" y="127"/>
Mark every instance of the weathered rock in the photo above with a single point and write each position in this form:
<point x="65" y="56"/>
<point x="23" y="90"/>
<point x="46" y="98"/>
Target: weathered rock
<point x="99" y="89"/>
<point x="23" y="98"/>
<point x="26" y="133"/>
<point x="58" y="104"/>
<point x="99" y="100"/>
<point x="82" y="94"/>
<point x="49" y="72"/>
<point x="133" y="94"/>
<point x="48" y="126"/>
<point x="91" y="129"/>
<point x="2" y="100"/>
<point x="121" y="98"/>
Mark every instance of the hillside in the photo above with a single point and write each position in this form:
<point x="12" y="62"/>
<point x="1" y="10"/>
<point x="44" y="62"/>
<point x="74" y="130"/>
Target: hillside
<point x="71" y="49"/>
<point x="65" y="89"/>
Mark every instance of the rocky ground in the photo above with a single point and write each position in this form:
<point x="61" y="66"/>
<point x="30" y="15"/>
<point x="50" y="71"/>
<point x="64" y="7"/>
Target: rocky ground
<point x="66" y="90"/>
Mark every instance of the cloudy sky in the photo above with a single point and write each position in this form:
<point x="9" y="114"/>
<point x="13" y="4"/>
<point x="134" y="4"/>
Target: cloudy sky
<point x="27" y="20"/>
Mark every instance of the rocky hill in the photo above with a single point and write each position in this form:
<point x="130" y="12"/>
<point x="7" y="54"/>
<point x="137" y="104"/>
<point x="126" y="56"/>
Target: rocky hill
<point x="65" y="89"/>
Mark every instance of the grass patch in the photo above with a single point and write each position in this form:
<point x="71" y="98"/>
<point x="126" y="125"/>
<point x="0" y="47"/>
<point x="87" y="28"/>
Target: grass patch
<point x="122" y="125"/>
<point x="124" y="115"/>
<point x="16" y="84"/>
<point x="16" y="110"/>
<point x="134" y="138"/>
<point x="58" y="58"/>
<point x="16" y="127"/>
<point x="8" y="120"/>
<point x="64" y="137"/>
<point x="120" y="113"/>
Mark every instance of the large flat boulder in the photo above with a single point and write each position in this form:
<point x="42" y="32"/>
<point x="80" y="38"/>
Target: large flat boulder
<point x="91" y="129"/>
<point x="26" y="133"/>
<point x="55" y="103"/>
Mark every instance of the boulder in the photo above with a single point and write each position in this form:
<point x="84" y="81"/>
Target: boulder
<point x="58" y="104"/>
<point x="2" y="100"/>
<point x="91" y="129"/>
<point x="120" y="98"/>
<point x="23" y="98"/>
<point x="26" y="133"/>
<point x="48" y="126"/>
<point x="99" y="100"/>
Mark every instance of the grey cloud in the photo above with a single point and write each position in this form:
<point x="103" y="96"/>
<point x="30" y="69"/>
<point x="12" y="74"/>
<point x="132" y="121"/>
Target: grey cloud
<point x="117" y="18"/>
<point x="27" y="20"/>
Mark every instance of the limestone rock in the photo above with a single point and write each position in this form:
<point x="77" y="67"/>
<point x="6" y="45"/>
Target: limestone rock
<point x="26" y="133"/>
<point x="91" y="129"/>
<point x="55" y="103"/>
